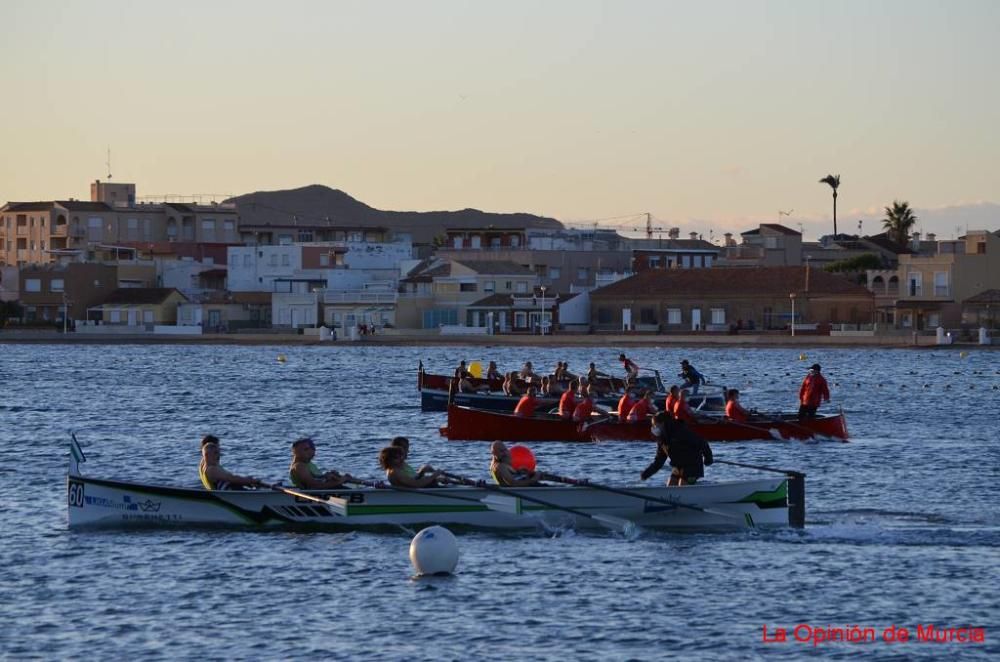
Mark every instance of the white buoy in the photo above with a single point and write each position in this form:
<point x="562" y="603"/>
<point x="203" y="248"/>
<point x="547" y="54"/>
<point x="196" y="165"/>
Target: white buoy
<point x="434" y="551"/>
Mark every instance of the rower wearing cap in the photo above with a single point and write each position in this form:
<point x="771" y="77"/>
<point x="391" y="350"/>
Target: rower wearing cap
<point x="304" y="473"/>
<point x="503" y="471"/>
<point x="813" y="392"/>
<point x="211" y="473"/>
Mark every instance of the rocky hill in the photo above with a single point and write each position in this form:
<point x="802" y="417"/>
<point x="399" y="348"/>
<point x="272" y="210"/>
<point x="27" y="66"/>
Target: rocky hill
<point x="321" y="205"/>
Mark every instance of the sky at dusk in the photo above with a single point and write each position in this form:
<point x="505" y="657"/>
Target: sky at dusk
<point x="711" y="116"/>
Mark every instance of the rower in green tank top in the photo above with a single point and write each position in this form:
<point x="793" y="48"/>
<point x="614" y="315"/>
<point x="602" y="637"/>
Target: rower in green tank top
<point x="211" y="473"/>
<point x="406" y="470"/>
<point x="304" y="473"/>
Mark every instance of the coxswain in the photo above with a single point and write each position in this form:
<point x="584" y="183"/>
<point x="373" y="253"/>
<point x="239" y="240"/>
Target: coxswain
<point x="526" y="405"/>
<point x="212" y="475"/>
<point x="631" y="369"/>
<point x="503" y="471"/>
<point x="688" y="453"/>
<point x="813" y="391"/>
<point x="643" y="407"/>
<point x="392" y="459"/>
<point x="566" y="374"/>
<point x="404" y="444"/>
<point x="304" y="473"/>
<point x="585" y="407"/>
<point x="668" y="404"/>
<point x="527" y="372"/>
<point x="492" y="373"/>
<point x="692" y="378"/>
<point x="682" y="411"/>
<point x="734" y="410"/>
<point x="567" y="403"/>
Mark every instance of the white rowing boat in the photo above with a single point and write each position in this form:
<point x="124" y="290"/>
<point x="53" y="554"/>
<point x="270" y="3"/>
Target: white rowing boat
<point x="96" y="502"/>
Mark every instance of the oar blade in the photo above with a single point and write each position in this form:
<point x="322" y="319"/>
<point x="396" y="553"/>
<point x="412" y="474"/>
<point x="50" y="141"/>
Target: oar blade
<point x="503" y="503"/>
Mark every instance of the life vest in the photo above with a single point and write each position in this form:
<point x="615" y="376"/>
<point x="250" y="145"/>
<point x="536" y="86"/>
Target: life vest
<point x="640" y="411"/>
<point x="526" y="406"/>
<point x="313" y="471"/>
<point x="583" y="410"/>
<point x="669" y="403"/>
<point x="735" y="412"/>
<point x="682" y="411"/>
<point x="567" y="405"/>
<point x="625" y="405"/>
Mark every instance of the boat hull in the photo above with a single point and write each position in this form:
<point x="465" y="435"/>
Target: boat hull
<point x="437" y="400"/>
<point x="96" y="502"/>
<point x="465" y="424"/>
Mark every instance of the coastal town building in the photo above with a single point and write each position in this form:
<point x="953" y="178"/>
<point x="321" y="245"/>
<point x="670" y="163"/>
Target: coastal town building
<point x="932" y="289"/>
<point x="671" y="253"/>
<point x="47" y="231"/>
<point x="142" y="306"/>
<point x="518" y="313"/>
<point x="724" y="299"/>
<point x="562" y="259"/>
<point x="767" y="245"/>
<point x="439" y="291"/>
<point x="47" y="291"/>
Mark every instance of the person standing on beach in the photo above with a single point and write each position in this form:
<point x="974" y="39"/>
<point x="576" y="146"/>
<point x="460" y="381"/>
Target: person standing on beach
<point x="813" y="392"/>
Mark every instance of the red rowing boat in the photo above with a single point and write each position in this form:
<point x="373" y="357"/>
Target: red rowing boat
<point x="467" y="424"/>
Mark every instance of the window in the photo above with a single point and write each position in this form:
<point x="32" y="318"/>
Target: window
<point x="604" y="316"/>
<point x="647" y="316"/>
<point x="554" y="273"/>
<point x="208" y="229"/>
<point x="933" y="320"/>
<point x="456" y="242"/>
<point x="520" y="320"/>
<point x="273" y="261"/>
<point x="541" y="270"/>
<point x="284" y="260"/>
<point x="981" y="248"/>
<point x="718" y="315"/>
<point x="95" y="228"/>
<point x="654" y="261"/>
<point x="284" y="239"/>
<point x="324" y="260"/>
<point x="246" y="260"/>
<point x="515" y="241"/>
<point x="56" y="285"/>
<point x="116" y="316"/>
<point x="583" y="274"/>
<point x="489" y="286"/>
<point x="674" y="316"/>
<point x="770" y="242"/>
<point x="521" y="286"/>
<point x="305" y="236"/>
<point x="467" y="287"/>
<point x="147" y="229"/>
<point x="132" y="231"/>
<point x="229" y="227"/>
<point x="147" y="317"/>
<point x="508" y="285"/>
<point x="32" y="285"/>
<point x="477" y="241"/>
<point x="941" y="288"/>
<point x="686" y="261"/>
<point x="914" y="283"/>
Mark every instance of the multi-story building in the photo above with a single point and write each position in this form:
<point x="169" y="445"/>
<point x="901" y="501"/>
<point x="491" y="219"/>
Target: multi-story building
<point x="49" y="290"/>
<point x="673" y="253"/>
<point x="439" y="291"/>
<point x="563" y="260"/>
<point x="44" y="232"/>
<point x="769" y="245"/>
<point x="932" y="288"/>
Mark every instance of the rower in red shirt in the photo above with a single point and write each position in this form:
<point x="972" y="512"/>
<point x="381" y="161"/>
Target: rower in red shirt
<point x="643" y="408"/>
<point x="735" y="411"/>
<point x="625" y="405"/>
<point x="586" y="407"/>
<point x="668" y="404"/>
<point x="682" y="412"/>
<point x="567" y="403"/>
<point x="526" y="405"/>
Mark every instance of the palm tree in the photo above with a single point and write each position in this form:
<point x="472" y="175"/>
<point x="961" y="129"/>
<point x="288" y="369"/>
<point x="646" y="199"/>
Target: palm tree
<point x="898" y="220"/>
<point x="834" y="182"/>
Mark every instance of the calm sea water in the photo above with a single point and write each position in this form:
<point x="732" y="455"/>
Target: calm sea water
<point x="902" y="522"/>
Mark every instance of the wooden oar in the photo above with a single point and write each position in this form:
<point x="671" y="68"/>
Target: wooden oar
<point x="627" y="527"/>
<point x="770" y="432"/>
<point x="637" y="495"/>
<point x="302" y="495"/>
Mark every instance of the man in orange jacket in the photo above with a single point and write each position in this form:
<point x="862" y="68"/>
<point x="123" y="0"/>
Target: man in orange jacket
<point x="813" y="391"/>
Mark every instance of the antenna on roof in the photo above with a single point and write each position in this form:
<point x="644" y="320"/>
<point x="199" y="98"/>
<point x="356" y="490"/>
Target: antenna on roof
<point x="108" y="163"/>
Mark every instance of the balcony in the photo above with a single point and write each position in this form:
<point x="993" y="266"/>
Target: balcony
<point x="360" y="297"/>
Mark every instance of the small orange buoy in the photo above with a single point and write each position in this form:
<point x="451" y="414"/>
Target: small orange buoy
<point x="522" y="459"/>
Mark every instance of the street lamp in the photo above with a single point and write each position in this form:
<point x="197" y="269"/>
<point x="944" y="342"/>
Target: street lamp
<point x="791" y="296"/>
<point x="541" y="314"/>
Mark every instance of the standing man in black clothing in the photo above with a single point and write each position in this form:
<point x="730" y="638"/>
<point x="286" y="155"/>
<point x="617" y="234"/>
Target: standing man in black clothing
<point x="689" y="454"/>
